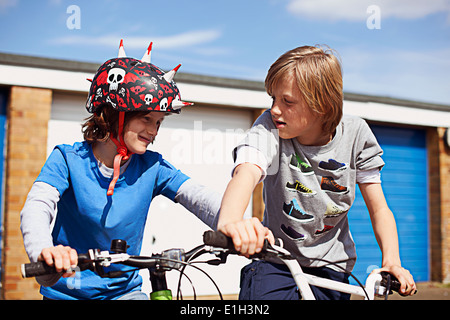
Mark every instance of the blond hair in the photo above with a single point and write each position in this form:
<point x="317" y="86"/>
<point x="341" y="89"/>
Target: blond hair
<point x="319" y="77"/>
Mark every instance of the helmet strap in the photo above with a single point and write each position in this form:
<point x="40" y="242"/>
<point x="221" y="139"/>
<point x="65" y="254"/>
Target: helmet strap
<point x="122" y="153"/>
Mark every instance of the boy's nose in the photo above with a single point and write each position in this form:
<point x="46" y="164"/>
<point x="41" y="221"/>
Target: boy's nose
<point x="275" y="110"/>
<point x="152" y="129"/>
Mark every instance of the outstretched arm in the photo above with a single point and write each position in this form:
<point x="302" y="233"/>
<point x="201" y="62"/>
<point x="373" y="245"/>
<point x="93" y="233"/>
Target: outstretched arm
<point x="248" y="235"/>
<point x="201" y="201"/>
<point x="385" y="230"/>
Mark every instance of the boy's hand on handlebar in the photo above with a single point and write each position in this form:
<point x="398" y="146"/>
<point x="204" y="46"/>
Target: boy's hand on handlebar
<point x="248" y="235"/>
<point x="408" y="286"/>
<point x="61" y="257"/>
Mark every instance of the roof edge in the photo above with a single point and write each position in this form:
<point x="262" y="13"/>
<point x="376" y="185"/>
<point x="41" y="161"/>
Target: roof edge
<point x="91" y="67"/>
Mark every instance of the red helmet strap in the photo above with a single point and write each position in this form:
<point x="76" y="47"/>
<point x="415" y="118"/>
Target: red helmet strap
<point x="122" y="153"/>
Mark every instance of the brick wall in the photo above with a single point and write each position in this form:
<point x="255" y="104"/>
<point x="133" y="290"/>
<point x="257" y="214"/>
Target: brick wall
<point x="444" y="167"/>
<point x="434" y="204"/>
<point x="28" y="115"/>
<point x="439" y="195"/>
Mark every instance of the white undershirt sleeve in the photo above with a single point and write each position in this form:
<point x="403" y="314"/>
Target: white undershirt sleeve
<point x="368" y="176"/>
<point x="248" y="154"/>
<point x="37" y="216"/>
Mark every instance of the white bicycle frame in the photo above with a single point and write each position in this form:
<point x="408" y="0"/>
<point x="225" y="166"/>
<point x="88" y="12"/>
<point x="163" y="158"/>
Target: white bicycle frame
<point x="304" y="281"/>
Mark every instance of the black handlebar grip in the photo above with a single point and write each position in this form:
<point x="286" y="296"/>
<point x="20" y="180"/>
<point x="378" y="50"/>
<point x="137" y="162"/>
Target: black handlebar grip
<point x="220" y="240"/>
<point x="35" y="269"/>
<point x="217" y="239"/>
<point x="393" y="284"/>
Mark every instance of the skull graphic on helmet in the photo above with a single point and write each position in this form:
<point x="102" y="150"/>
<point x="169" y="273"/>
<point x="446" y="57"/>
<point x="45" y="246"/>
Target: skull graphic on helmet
<point x="115" y="76"/>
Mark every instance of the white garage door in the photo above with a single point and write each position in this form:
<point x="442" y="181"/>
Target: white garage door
<point x="198" y="142"/>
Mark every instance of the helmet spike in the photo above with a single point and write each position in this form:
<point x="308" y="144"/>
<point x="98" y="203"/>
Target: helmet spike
<point x="171" y="74"/>
<point x="148" y="54"/>
<point x="122" y="53"/>
<point x="178" y="104"/>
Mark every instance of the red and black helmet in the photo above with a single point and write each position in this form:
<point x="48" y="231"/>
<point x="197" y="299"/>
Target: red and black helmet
<point x="128" y="84"/>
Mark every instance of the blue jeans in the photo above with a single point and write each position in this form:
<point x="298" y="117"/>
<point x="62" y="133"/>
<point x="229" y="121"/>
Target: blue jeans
<point x="261" y="280"/>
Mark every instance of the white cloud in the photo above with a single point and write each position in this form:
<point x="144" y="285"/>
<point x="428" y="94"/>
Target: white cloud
<point x="186" y="39"/>
<point x="356" y="10"/>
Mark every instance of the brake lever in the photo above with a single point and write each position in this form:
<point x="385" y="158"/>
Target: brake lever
<point x="267" y="250"/>
<point x="391" y="283"/>
<point x="277" y="250"/>
<point x="96" y="260"/>
<point x="222" y="258"/>
<point x="105" y="258"/>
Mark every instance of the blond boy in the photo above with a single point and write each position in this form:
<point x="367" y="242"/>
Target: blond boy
<point x="310" y="158"/>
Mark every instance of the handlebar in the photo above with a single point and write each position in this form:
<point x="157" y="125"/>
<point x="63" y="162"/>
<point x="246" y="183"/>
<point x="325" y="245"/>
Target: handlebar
<point x="387" y="284"/>
<point x="219" y="244"/>
<point x="217" y="239"/>
<point x="95" y="260"/>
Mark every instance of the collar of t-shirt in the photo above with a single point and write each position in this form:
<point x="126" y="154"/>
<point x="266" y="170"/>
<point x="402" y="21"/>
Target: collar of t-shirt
<point x="109" y="172"/>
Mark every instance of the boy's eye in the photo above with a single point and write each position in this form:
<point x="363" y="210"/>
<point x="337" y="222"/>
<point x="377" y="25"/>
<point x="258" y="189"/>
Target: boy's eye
<point x="288" y="101"/>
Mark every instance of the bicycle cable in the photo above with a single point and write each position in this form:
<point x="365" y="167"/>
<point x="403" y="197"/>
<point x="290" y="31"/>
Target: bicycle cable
<point x="179" y="294"/>
<point x="182" y="273"/>
<point x="388" y="286"/>
<point x="200" y="269"/>
<point x="194" y="253"/>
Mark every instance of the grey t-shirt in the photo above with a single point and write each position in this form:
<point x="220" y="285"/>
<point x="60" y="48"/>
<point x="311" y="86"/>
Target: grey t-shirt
<point x="308" y="190"/>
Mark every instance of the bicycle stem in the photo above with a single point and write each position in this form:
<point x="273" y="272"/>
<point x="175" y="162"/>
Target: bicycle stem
<point x="159" y="285"/>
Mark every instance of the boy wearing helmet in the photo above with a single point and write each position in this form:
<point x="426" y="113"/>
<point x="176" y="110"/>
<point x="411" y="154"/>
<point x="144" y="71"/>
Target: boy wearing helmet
<point x="102" y="188"/>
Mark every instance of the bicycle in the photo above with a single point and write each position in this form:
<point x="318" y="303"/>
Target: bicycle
<point x="219" y="245"/>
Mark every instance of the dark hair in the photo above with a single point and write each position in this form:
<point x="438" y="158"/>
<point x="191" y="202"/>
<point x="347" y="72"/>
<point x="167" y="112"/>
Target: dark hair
<point x="105" y="122"/>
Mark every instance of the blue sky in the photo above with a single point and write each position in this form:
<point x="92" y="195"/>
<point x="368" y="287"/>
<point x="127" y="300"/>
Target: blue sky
<point x="394" y="48"/>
